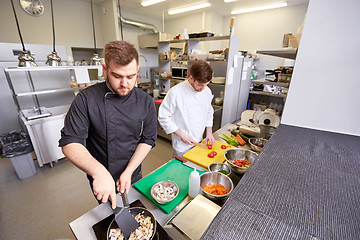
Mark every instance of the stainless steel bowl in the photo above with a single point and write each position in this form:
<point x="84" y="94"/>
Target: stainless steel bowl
<point x="239" y="153"/>
<point x="256" y="143"/>
<point x="165" y="184"/>
<point x="216" y="178"/>
<point x="217" y="166"/>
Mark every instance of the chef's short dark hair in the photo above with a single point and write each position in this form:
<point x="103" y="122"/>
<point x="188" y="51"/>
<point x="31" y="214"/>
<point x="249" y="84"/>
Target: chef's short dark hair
<point x="201" y="71"/>
<point x="120" y="52"/>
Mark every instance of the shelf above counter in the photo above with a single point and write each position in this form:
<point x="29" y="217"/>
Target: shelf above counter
<point x="267" y="94"/>
<point x="47" y="91"/>
<point x="203" y="39"/>
<point x="47" y="68"/>
<point x="265" y="82"/>
<point x="284" y="53"/>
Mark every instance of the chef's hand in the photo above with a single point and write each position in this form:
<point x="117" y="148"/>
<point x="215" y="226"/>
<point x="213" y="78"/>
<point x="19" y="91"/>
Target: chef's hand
<point x="184" y="137"/>
<point x="124" y="182"/>
<point x="210" y="140"/>
<point x="104" y="187"/>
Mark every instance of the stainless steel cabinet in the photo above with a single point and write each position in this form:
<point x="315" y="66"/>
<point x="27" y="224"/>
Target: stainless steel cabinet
<point x="42" y="96"/>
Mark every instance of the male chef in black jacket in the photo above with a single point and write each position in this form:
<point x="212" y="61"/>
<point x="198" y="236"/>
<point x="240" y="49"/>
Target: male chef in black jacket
<point x="111" y="126"/>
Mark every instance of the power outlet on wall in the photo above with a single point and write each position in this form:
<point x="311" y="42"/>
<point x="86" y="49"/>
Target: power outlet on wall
<point x="105" y="11"/>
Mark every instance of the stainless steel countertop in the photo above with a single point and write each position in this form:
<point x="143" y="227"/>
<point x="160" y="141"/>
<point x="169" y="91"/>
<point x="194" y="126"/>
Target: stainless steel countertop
<point x="82" y="226"/>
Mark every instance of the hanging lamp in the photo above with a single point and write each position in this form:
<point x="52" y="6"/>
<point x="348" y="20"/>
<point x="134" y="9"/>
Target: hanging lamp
<point x="95" y="59"/>
<point x="53" y="59"/>
<point x="25" y="58"/>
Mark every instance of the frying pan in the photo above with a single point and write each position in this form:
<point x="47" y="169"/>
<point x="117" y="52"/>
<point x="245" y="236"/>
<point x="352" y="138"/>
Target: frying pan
<point x="135" y="211"/>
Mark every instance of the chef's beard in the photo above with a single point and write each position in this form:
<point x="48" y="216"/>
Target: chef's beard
<point x="116" y="92"/>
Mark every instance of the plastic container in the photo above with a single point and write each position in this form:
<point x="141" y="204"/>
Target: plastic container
<point x="194" y="184"/>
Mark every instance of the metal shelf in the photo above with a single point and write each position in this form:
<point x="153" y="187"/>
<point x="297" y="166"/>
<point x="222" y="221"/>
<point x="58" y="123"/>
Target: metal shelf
<point x="284" y="53"/>
<point x="198" y="39"/>
<point x="46" y="68"/>
<point x="263" y="81"/>
<point x="56" y="90"/>
<point x="267" y="94"/>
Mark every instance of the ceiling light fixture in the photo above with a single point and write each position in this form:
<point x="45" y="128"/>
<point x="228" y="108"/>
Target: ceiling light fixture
<point x="227" y="1"/>
<point x="53" y="59"/>
<point x="95" y="59"/>
<point x="259" y="8"/>
<point x="25" y="58"/>
<point x="189" y="8"/>
<point x="151" y="2"/>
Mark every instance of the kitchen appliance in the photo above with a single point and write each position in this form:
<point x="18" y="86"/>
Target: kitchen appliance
<point x="252" y="121"/>
<point x="179" y="72"/>
<point x="174" y="171"/>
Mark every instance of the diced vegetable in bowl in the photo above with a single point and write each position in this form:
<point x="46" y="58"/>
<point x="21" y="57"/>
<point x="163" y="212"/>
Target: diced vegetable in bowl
<point x="216" y="186"/>
<point x="240" y="159"/>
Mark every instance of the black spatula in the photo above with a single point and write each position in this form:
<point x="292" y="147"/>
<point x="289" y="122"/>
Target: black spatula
<point x="123" y="218"/>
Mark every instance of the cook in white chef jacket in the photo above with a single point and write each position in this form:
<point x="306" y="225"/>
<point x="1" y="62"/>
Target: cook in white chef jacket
<point x="186" y="110"/>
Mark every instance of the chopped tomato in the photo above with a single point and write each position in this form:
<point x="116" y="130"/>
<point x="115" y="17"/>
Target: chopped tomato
<point x="241" y="162"/>
<point x="212" y="154"/>
<point x="223" y="147"/>
<point x="209" y="146"/>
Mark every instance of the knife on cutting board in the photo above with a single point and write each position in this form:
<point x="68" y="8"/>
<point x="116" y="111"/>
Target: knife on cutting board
<point x="189" y="164"/>
<point x="200" y="145"/>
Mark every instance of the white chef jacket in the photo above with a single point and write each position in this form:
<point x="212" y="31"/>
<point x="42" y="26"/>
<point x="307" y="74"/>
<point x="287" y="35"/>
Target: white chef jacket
<point x="188" y="110"/>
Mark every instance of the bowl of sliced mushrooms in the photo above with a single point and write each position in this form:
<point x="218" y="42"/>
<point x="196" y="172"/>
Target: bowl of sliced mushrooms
<point x="164" y="191"/>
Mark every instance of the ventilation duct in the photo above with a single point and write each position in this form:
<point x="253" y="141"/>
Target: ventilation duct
<point x="149" y="40"/>
<point x="145" y="26"/>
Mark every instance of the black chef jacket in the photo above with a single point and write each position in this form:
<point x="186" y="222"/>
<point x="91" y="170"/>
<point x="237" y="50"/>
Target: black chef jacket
<point x="111" y="126"/>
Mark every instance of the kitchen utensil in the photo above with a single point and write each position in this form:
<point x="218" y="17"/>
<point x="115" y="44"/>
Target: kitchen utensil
<point x="135" y="211"/>
<point x="257" y="144"/>
<point x="200" y="145"/>
<point x="188" y="163"/>
<point x="239" y="153"/>
<point x="216" y="178"/>
<point x="200" y="155"/>
<point x="195" y="217"/>
<point x="124" y="219"/>
<point x="174" y="171"/>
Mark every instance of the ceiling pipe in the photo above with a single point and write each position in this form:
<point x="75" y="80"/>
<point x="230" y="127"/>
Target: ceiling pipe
<point x="145" y="26"/>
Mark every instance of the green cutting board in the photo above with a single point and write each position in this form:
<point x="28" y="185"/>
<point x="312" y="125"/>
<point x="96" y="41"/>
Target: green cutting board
<point x="174" y="171"/>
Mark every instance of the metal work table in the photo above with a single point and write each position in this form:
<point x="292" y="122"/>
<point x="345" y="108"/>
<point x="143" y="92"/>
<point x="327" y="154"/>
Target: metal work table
<point x="82" y="226"/>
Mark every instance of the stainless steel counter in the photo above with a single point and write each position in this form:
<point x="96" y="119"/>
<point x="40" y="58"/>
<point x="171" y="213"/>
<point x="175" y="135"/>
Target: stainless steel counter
<point x="82" y="226"/>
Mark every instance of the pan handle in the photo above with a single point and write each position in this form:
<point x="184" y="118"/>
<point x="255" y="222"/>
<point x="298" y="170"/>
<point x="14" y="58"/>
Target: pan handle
<point x="125" y="199"/>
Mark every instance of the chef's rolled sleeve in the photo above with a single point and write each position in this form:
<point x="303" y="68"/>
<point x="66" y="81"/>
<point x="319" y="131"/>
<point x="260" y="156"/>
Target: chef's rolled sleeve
<point x="76" y="123"/>
<point x="149" y="132"/>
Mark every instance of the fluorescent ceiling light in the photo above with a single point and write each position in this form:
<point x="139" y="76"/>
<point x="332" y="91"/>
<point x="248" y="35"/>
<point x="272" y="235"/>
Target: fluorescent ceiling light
<point x="189" y="8"/>
<point x="227" y="1"/>
<point x="259" y="8"/>
<point x="150" y="2"/>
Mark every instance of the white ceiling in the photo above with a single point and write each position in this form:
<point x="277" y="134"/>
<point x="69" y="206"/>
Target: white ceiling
<point x="219" y="6"/>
